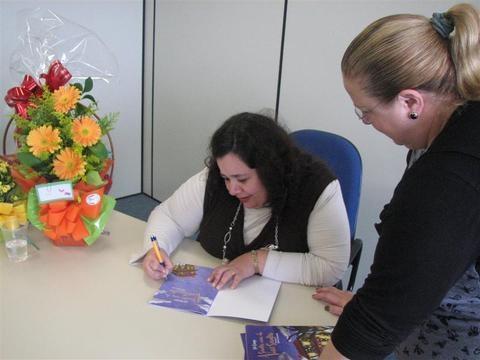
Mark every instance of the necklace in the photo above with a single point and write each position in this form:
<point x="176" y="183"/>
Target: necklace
<point x="228" y="236"/>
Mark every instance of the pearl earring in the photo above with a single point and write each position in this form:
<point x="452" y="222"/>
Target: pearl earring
<point x="413" y="115"/>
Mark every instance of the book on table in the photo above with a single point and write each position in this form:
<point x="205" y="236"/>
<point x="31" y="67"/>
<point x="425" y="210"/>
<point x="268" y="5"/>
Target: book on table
<point x="189" y="290"/>
<point x="285" y="342"/>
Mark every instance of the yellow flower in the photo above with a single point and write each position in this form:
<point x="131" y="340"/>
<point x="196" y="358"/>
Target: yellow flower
<point x="86" y="131"/>
<point x="3" y="166"/>
<point x="65" y="98"/>
<point x="68" y="165"/>
<point x="43" y="139"/>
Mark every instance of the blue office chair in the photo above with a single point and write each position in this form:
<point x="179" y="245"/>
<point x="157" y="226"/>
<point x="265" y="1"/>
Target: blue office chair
<point x="344" y="160"/>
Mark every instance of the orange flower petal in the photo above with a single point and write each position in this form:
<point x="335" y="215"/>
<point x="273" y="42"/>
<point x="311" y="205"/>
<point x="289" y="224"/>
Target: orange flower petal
<point x="68" y="165"/>
<point x="65" y="98"/>
<point x="86" y="131"/>
<point x="44" y="139"/>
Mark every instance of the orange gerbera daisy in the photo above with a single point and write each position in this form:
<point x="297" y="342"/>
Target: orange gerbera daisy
<point x="65" y="98"/>
<point x="43" y="139"/>
<point x="68" y="165"/>
<point x="86" y="131"/>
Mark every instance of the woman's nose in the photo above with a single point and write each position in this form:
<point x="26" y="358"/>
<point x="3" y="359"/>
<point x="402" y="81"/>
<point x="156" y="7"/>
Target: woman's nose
<point x="233" y="189"/>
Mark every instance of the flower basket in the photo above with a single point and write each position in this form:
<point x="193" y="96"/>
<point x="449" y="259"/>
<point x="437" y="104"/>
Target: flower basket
<point x="59" y="143"/>
<point x="78" y="222"/>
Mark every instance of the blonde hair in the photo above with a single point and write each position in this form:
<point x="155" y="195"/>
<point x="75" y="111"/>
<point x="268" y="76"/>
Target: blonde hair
<point x="405" y="52"/>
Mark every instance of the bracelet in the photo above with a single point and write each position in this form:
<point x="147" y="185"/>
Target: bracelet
<point x="255" y="261"/>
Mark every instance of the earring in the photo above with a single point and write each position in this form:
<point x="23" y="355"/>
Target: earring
<point x="413" y="115"/>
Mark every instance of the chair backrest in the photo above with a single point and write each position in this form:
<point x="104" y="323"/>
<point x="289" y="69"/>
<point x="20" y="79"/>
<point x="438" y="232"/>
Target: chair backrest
<point x="343" y="159"/>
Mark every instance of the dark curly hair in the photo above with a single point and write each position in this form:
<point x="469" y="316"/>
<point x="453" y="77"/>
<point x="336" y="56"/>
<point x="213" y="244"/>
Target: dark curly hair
<point x="265" y="146"/>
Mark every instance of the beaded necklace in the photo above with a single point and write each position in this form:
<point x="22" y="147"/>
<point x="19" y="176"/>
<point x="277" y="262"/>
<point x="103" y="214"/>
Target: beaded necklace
<point x="228" y="236"/>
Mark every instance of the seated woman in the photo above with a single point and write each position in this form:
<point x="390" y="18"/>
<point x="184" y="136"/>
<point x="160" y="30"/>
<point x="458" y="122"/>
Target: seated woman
<point x="261" y="205"/>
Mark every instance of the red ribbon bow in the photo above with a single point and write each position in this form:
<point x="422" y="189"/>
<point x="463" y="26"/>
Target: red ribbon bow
<point x="57" y="75"/>
<point x="19" y="97"/>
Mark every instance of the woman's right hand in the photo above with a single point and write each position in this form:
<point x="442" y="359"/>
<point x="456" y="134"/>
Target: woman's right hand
<point x="152" y="266"/>
<point x="336" y="299"/>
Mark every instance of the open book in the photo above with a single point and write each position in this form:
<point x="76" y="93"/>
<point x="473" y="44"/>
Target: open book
<point x="253" y="299"/>
<point x="285" y="342"/>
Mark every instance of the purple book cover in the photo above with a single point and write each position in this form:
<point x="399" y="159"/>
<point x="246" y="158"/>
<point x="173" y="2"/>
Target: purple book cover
<point x="286" y="342"/>
<point x="189" y="293"/>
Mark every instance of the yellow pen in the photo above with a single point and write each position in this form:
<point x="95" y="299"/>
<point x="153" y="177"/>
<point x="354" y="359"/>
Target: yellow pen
<point x="153" y="238"/>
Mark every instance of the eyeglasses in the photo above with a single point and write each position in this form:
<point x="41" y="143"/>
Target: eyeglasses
<point x="363" y="113"/>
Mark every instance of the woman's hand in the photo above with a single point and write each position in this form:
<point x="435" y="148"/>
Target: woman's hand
<point x="152" y="266"/>
<point x="236" y="270"/>
<point x="335" y="299"/>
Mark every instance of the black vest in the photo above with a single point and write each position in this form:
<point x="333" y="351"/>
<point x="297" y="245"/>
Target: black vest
<point x="219" y="211"/>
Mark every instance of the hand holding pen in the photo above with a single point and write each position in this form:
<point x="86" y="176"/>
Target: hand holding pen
<point x="156" y="263"/>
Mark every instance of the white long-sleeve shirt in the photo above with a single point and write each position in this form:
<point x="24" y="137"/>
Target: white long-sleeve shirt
<point x="328" y="234"/>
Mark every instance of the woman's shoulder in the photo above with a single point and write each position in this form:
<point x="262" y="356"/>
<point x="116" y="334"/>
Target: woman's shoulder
<point x="437" y="168"/>
<point x="450" y="178"/>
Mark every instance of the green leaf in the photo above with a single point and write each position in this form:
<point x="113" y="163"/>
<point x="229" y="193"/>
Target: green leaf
<point x="93" y="178"/>
<point x="88" y="84"/>
<point x="28" y="159"/>
<point x="107" y="122"/>
<point x="99" y="150"/>
<point x="96" y="226"/>
<point x="78" y="86"/>
<point x="33" y="209"/>
<point x="80" y="109"/>
<point x="89" y="97"/>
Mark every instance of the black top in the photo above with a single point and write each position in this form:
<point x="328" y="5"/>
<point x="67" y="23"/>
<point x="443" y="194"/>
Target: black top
<point x="220" y="207"/>
<point x="429" y="237"/>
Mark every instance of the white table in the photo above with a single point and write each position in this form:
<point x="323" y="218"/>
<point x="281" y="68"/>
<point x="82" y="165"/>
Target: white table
<point x="89" y="303"/>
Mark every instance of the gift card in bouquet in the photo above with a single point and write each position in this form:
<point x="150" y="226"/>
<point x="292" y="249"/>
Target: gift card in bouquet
<point x="285" y="342"/>
<point x="54" y="191"/>
<point x="189" y="290"/>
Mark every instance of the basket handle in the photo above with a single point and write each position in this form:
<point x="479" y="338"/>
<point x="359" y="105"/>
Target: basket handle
<point x="5" y="133"/>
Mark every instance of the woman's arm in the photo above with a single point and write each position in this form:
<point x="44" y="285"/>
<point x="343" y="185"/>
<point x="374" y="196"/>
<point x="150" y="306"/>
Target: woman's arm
<point x="179" y="216"/>
<point x="429" y="237"/>
<point x="328" y="240"/>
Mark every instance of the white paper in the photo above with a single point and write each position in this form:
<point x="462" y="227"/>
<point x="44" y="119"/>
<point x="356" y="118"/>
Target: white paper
<point x="252" y="299"/>
<point x="54" y="191"/>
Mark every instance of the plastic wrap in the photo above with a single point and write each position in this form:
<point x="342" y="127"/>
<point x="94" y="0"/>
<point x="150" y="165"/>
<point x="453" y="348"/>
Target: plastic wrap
<point x="47" y="37"/>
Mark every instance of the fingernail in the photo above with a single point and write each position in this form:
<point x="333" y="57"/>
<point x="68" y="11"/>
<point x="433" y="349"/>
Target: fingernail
<point x="327" y="308"/>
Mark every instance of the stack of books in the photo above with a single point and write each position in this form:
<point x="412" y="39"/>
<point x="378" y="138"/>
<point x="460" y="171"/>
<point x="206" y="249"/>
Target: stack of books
<point x="285" y="342"/>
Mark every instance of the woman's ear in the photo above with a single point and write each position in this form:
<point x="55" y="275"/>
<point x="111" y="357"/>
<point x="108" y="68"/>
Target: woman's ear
<point x="412" y="102"/>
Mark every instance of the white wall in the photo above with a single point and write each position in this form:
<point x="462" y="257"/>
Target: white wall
<point x="212" y="59"/>
<point x="119" y="24"/>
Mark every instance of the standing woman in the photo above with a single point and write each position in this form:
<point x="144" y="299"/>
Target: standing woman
<point x="417" y="80"/>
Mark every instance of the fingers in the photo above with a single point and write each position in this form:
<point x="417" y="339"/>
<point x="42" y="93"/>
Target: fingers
<point x="327" y="295"/>
<point x="167" y="263"/>
<point x="153" y="268"/>
<point x="333" y="296"/>
<point x="335" y="310"/>
<point x="235" y="281"/>
<point x="222" y="275"/>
